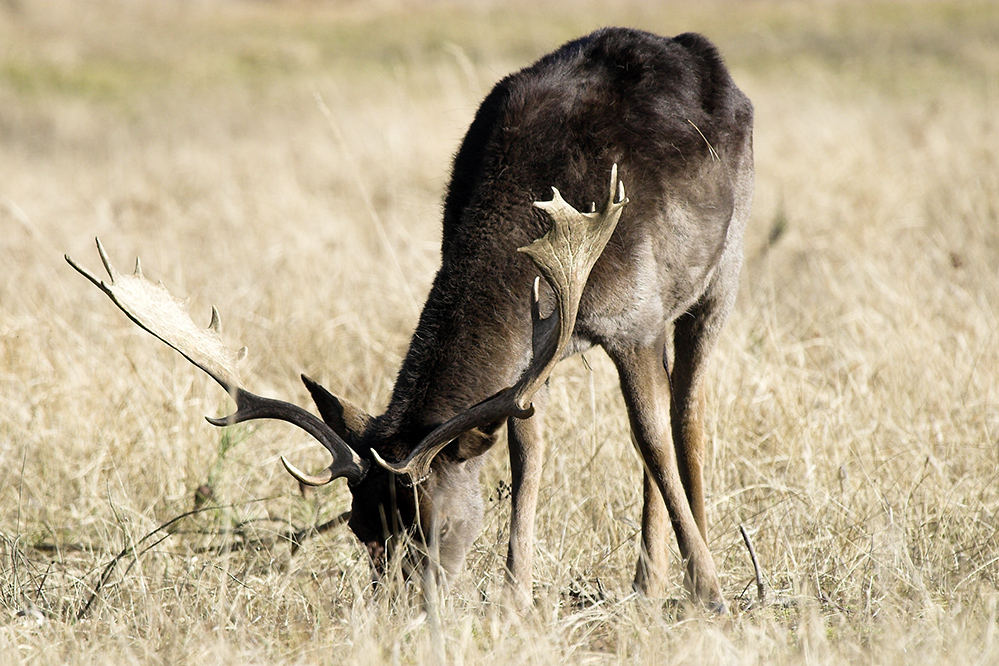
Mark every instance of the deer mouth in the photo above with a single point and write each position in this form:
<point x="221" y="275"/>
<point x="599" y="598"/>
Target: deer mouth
<point x="377" y="555"/>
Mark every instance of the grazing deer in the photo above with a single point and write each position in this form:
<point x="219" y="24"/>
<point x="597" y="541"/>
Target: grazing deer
<point x="664" y="116"/>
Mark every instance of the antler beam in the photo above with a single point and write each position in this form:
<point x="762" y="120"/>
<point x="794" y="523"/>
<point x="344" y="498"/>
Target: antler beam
<point x="159" y="312"/>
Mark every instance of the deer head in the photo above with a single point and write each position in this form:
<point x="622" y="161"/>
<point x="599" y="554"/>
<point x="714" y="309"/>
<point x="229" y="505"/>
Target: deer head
<point x="564" y="257"/>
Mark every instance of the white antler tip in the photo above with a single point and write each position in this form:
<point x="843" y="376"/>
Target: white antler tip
<point x="104" y="259"/>
<point x="216" y="321"/>
<point x="320" y="479"/>
<point x="555" y="203"/>
<point x="381" y="461"/>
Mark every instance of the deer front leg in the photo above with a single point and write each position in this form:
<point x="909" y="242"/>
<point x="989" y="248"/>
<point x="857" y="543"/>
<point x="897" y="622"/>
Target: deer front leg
<point x="527" y="449"/>
<point x="647" y="394"/>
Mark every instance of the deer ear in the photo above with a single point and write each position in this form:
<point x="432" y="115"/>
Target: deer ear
<point x="474" y="443"/>
<point x="346" y="419"/>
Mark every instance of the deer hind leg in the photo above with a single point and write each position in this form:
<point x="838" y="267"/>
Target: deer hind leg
<point x="645" y="385"/>
<point x="527" y="449"/>
<point x="653" y="557"/>
<point x="694" y="336"/>
<point x="687" y="421"/>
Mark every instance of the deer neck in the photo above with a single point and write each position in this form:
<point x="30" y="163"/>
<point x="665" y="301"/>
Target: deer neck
<point x="472" y="340"/>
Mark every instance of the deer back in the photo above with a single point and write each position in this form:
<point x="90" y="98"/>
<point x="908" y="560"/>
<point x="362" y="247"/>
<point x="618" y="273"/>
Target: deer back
<point x="667" y="112"/>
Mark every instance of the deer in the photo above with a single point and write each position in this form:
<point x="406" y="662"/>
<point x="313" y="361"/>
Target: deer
<point x="526" y="281"/>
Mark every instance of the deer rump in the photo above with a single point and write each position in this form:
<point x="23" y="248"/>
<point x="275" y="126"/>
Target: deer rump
<point x="661" y="115"/>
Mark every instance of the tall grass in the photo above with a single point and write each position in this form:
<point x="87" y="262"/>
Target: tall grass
<point x="286" y="162"/>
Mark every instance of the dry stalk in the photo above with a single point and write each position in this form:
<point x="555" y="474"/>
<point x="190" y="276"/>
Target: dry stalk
<point x="761" y="588"/>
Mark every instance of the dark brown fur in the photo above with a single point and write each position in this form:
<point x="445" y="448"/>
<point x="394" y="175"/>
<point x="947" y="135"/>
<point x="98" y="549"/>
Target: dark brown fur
<point x="667" y="112"/>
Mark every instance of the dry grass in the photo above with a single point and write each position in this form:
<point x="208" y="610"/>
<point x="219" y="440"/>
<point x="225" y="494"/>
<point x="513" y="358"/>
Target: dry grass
<point x="854" y="400"/>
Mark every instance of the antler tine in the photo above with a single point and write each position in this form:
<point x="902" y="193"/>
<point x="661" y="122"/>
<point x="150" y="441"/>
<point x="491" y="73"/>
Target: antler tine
<point x="159" y="312"/>
<point x="320" y="479"/>
<point x="564" y="256"/>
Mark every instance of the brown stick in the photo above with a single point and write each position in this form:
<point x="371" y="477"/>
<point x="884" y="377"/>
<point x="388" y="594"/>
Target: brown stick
<point x="761" y="589"/>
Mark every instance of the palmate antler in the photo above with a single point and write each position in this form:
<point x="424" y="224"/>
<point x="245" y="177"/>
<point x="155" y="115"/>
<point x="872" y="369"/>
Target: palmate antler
<point x="156" y="310"/>
<point x="565" y="255"/>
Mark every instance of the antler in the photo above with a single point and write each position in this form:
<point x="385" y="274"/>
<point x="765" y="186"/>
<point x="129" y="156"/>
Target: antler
<point x="564" y="255"/>
<point x="158" y="311"/>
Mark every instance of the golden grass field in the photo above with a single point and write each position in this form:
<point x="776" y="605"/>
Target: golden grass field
<point x="286" y="162"/>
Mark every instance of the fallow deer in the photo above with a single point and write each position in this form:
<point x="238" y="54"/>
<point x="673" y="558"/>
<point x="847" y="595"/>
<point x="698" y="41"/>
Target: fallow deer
<point x="662" y="115"/>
